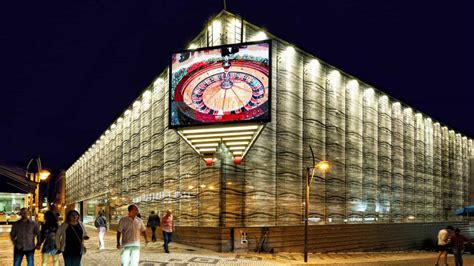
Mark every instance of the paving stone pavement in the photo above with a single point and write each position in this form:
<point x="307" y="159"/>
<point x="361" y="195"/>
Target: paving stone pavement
<point x="181" y="255"/>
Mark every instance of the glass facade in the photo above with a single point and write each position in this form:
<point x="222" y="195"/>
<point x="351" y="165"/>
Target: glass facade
<point x="391" y="163"/>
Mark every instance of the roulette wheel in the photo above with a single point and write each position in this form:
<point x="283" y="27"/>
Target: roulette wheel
<point x="223" y="91"/>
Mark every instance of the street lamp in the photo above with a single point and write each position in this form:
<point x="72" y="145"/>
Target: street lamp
<point x="323" y="167"/>
<point x="44" y="174"/>
<point x="37" y="175"/>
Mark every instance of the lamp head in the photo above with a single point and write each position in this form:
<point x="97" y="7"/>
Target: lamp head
<point x="44" y="174"/>
<point x="323" y="166"/>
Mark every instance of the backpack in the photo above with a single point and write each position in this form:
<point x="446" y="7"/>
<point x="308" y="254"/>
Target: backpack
<point x="97" y="223"/>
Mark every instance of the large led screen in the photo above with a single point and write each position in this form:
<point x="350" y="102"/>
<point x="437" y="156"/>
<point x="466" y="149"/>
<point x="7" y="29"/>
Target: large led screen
<point x="224" y="84"/>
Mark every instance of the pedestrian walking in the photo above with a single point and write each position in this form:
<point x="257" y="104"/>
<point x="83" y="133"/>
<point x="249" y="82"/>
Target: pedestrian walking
<point x="70" y="239"/>
<point x="129" y="230"/>
<point x="457" y="243"/>
<point x="23" y="234"/>
<point x="101" y="225"/>
<point x="48" y="239"/>
<point x="443" y="244"/>
<point x="167" y="228"/>
<point x="153" y="222"/>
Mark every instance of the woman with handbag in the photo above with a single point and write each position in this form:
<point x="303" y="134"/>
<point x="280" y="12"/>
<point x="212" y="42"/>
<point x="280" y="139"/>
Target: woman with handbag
<point x="70" y="239"/>
<point x="48" y="239"/>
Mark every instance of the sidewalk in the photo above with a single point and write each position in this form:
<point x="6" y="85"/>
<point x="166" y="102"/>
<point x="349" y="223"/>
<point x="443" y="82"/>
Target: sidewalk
<point x="153" y="255"/>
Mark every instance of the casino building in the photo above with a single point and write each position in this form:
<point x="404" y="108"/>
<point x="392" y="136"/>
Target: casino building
<point x="394" y="169"/>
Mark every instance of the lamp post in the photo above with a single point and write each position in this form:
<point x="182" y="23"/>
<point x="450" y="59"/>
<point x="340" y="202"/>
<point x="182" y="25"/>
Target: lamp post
<point x="37" y="175"/>
<point x="323" y="167"/>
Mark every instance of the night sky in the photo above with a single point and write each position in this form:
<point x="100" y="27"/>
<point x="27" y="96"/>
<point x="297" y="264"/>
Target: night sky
<point x="70" y="68"/>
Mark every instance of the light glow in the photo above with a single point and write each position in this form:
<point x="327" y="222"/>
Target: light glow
<point x="206" y="145"/>
<point x="323" y="166"/>
<point x="369" y="93"/>
<point x="216" y="27"/>
<point x="334" y="76"/>
<point x="146" y="94"/>
<point x="237" y="138"/>
<point x="158" y="82"/>
<point x="201" y="136"/>
<point x="314" y="64"/>
<point x="353" y="86"/>
<point x="207" y="149"/>
<point x="44" y="174"/>
<point x="259" y="36"/>
<point x="237" y="148"/>
<point x="206" y="140"/>
<point x="220" y="129"/>
<point x="289" y="52"/>
<point x="234" y="143"/>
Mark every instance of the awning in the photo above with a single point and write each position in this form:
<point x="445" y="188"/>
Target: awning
<point x="13" y="179"/>
<point x="466" y="211"/>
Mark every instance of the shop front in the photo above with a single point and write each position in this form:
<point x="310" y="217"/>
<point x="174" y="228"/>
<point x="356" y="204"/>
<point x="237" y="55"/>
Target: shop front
<point x="10" y="205"/>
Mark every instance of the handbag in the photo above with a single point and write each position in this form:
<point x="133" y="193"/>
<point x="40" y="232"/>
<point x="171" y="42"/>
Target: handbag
<point x="83" y="247"/>
<point x="53" y="252"/>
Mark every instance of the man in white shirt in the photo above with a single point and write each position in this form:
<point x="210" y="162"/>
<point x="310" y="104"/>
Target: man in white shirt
<point x="443" y="239"/>
<point x="129" y="229"/>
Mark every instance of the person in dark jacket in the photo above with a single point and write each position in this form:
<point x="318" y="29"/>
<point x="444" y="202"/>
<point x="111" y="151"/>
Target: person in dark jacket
<point x="153" y="223"/>
<point x="101" y="225"/>
<point x="48" y="239"/>
<point x="457" y="243"/>
<point x="23" y="236"/>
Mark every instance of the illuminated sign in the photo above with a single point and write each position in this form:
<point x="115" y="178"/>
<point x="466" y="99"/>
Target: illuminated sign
<point x="221" y="84"/>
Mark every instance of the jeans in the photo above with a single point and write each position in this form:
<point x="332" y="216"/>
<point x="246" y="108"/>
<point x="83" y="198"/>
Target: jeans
<point x="18" y="257"/>
<point x="153" y="235"/>
<point x="166" y="240"/>
<point x="46" y="257"/>
<point x="130" y="256"/>
<point x="458" y="256"/>
<point x="102" y="231"/>
<point x="72" y="260"/>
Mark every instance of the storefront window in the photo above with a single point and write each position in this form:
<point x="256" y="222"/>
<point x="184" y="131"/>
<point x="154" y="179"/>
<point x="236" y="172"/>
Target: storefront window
<point x="10" y="205"/>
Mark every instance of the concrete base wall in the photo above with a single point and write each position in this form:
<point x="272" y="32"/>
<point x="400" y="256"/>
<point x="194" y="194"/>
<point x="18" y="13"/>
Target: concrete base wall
<point x="322" y="238"/>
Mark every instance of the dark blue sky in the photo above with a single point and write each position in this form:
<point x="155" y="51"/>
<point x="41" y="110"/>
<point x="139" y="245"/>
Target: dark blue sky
<point x="70" y="68"/>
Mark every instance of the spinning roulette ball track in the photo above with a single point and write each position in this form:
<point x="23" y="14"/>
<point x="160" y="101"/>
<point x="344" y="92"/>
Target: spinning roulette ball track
<point x="199" y="97"/>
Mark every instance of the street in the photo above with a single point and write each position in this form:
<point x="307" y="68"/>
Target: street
<point x="153" y="255"/>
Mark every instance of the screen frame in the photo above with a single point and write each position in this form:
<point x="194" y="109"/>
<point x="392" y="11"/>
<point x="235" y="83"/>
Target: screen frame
<point x="170" y="96"/>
